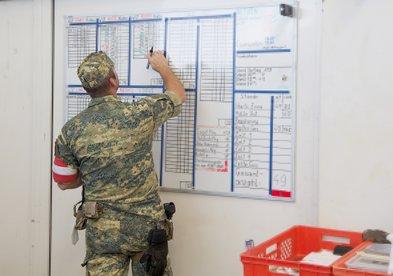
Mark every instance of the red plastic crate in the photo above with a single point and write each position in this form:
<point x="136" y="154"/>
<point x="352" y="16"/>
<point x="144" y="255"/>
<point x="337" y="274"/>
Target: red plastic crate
<point x="287" y="249"/>
<point x="340" y="269"/>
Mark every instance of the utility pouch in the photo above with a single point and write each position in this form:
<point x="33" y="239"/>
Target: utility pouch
<point x="92" y="209"/>
<point x="80" y="219"/>
<point x="154" y="259"/>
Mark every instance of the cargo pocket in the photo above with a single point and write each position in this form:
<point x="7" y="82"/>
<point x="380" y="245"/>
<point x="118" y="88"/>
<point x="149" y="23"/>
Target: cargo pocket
<point x="102" y="237"/>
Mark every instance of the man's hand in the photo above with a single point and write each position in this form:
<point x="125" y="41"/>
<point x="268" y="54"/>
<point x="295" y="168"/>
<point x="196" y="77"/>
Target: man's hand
<point x="160" y="64"/>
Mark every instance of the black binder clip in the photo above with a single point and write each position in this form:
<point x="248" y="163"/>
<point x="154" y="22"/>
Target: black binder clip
<point x="286" y="10"/>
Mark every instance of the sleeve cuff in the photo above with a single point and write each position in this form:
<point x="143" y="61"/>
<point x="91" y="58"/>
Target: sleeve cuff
<point x="177" y="104"/>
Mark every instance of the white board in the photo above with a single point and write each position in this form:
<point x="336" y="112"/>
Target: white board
<point x="235" y="134"/>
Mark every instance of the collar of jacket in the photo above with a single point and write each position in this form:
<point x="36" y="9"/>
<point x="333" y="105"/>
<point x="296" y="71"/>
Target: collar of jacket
<point x="104" y="99"/>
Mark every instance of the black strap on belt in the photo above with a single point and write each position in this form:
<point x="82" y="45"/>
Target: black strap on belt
<point x="83" y="193"/>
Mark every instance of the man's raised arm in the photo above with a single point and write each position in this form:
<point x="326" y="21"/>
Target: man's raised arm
<point x="160" y="64"/>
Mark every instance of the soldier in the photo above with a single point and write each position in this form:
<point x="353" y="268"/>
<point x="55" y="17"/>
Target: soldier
<point x="107" y="148"/>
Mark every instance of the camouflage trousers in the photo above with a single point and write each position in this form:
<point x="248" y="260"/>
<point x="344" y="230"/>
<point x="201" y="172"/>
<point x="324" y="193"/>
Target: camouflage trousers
<point x="115" y="240"/>
<point x="117" y="265"/>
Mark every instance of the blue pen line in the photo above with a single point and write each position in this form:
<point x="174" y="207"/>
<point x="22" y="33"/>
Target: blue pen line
<point x="113" y="22"/>
<point x="263" y="51"/>
<point x="83" y="23"/>
<point x="77" y="94"/>
<point x="166" y="34"/>
<point x="271" y="145"/>
<point x="262" y="91"/>
<point x="97" y="33"/>
<point x="162" y="129"/>
<point x="196" y="104"/>
<point x="233" y="102"/>
<point x="129" y="51"/>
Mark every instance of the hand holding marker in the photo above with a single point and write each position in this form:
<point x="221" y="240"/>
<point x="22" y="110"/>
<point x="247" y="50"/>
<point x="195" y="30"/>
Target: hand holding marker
<point x="151" y="53"/>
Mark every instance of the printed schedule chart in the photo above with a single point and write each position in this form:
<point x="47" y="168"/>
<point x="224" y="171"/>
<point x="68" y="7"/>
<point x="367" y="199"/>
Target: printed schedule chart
<point x="235" y="135"/>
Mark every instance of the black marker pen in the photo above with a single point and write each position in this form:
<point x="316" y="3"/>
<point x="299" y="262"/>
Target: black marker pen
<point x="151" y="52"/>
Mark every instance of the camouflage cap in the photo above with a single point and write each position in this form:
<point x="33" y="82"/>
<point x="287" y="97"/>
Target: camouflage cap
<point x="94" y="69"/>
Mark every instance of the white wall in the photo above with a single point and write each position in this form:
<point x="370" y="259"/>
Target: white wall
<point x="210" y="231"/>
<point x="25" y="123"/>
<point x="356" y="137"/>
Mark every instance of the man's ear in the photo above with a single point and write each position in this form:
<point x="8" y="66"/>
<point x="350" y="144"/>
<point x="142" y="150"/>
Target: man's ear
<point x="112" y="81"/>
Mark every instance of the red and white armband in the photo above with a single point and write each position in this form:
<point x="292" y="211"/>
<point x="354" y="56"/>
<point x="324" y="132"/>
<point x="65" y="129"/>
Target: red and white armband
<point x="63" y="173"/>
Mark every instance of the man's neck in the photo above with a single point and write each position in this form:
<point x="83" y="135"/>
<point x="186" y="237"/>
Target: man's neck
<point x="103" y="94"/>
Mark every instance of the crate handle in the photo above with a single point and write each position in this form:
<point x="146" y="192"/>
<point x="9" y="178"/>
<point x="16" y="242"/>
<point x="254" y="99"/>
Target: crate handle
<point x="336" y="239"/>
<point x="283" y="270"/>
<point x="271" y="249"/>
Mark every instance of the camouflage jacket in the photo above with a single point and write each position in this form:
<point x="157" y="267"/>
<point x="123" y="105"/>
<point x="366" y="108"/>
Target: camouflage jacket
<point x="110" y="143"/>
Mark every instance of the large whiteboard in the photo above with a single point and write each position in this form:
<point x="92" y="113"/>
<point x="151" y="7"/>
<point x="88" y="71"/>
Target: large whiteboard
<point x="236" y="133"/>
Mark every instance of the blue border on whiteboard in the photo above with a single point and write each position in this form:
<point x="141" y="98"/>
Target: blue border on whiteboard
<point x="97" y="32"/>
<point x="263" y="51"/>
<point x="146" y="20"/>
<point x="262" y="91"/>
<point x="113" y="22"/>
<point x="162" y="127"/>
<point x="83" y="23"/>
<point x="271" y="145"/>
<point x="74" y="86"/>
<point x="78" y="94"/>
<point x="233" y="102"/>
<point x="195" y="104"/>
<point x="129" y="51"/>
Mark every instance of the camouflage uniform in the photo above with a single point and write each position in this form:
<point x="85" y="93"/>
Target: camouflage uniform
<point x="110" y="142"/>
